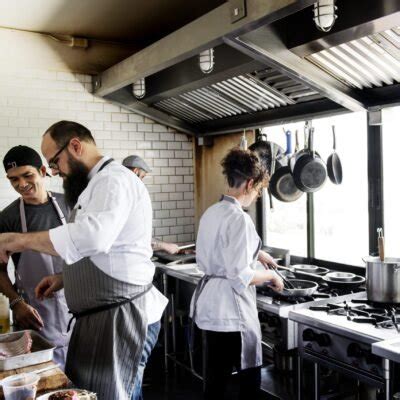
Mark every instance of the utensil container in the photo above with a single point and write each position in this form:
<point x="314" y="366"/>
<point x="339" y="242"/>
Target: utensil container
<point x="20" y="387"/>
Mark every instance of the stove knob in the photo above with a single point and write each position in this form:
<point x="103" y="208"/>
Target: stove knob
<point x="323" y="340"/>
<point x="309" y="335"/>
<point x="355" y="350"/>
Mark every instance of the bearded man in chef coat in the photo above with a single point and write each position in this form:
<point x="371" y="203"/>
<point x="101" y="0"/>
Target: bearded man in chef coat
<point x="107" y="275"/>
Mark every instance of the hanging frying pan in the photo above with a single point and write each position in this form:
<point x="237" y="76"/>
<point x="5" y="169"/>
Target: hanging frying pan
<point x="309" y="171"/>
<point x="300" y="153"/>
<point x="282" y="185"/>
<point x="334" y="166"/>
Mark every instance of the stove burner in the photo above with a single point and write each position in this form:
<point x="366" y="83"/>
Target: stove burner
<point x="364" y="312"/>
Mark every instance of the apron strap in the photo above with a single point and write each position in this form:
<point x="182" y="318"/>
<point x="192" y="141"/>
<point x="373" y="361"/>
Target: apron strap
<point x="227" y="198"/>
<point x="22" y="215"/>
<point x="105" y="307"/>
<point x="105" y="164"/>
<point x="57" y="208"/>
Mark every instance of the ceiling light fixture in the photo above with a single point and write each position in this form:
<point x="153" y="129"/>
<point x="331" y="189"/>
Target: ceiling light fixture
<point x="139" y="89"/>
<point x="206" y="60"/>
<point x="324" y="14"/>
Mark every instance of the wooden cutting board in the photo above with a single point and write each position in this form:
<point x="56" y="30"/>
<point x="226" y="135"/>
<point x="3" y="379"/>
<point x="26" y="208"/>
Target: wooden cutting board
<point x="49" y="380"/>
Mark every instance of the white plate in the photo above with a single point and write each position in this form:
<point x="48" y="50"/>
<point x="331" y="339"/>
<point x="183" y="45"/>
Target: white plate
<point x="92" y="396"/>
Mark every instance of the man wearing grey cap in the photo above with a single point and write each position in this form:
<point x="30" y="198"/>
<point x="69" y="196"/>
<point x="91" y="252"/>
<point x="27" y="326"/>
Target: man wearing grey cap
<point x="35" y="210"/>
<point x="139" y="167"/>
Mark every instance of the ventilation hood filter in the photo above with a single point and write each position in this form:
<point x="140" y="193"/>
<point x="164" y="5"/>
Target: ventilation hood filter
<point x="371" y="61"/>
<point x="243" y="94"/>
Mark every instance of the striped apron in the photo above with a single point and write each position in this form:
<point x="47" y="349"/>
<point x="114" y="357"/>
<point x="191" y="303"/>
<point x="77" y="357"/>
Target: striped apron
<point x="107" y="341"/>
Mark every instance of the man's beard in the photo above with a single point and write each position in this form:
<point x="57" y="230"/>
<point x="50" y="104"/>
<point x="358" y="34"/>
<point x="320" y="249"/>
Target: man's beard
<point x="75" y="182"/>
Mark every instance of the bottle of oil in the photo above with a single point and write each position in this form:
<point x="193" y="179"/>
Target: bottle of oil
<point x="4" y="314"/>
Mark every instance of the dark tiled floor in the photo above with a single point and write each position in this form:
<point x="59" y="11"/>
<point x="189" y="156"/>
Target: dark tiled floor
<point x="180" y="384"/>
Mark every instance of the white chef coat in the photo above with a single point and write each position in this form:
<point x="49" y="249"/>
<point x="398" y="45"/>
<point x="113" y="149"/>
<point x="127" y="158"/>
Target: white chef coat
<point x="226" y="244"/>
<point x="113" y="226"/>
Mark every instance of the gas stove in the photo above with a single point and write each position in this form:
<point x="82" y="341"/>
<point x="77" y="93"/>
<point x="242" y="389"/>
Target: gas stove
<point x="353" y="317"/>
<point x="339" y="335"/>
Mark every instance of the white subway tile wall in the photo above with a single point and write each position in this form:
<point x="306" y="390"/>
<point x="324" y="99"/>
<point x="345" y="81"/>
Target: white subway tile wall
<point x="31" y="100"/>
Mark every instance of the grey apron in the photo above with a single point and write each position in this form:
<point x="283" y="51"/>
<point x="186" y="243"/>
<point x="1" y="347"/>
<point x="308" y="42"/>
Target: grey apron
<point x="32" y="267"/>
<point x="250" y="330"/>
<point x="110" y="330"/>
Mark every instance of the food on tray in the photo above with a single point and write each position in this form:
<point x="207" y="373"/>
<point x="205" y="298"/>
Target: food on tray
<point x="72" y="395"/>
<point x="17" y="347"/>
<point x="65" y="395"/>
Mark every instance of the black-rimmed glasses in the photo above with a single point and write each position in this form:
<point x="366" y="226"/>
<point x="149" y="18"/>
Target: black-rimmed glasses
<point x="53" y="162"/>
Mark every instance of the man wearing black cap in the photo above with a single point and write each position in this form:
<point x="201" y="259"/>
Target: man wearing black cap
<point x="139" y="167"/>
<point x="35" y="210"/>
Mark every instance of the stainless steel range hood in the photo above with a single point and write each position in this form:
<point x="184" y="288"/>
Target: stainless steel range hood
<point x="265" y="70"/>
<point x="372" y="61"/>
<point x="238" y="95"/>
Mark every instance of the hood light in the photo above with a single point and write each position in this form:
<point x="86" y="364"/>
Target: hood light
<point x="206" y="60"/>
<point x="139" y="89"/>
<point x="324" y="14"/>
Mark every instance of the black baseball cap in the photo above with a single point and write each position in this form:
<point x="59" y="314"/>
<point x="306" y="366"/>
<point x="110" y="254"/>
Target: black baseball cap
<point x="20" y="156"/>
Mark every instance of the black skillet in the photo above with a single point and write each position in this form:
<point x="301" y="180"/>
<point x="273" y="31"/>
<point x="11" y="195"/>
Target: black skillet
<point x="298" y="153"/>
<point x="333" y="165"/>
<point x="309" y="171"/>
<point x="282" y="185"/>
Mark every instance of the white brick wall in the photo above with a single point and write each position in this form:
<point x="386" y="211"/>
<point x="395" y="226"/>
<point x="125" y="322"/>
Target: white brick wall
<point x="31" y="100"/>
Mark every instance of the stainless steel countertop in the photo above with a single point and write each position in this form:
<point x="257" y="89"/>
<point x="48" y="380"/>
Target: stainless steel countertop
<point x="389" y="349"/>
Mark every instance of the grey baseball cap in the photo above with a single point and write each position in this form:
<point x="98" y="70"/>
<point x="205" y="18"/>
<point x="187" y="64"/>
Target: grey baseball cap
<point x="135" y="162"/>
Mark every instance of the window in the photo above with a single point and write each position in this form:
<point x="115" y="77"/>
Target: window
<point x="391" y="148"/>
<point x="340" y="211"/>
